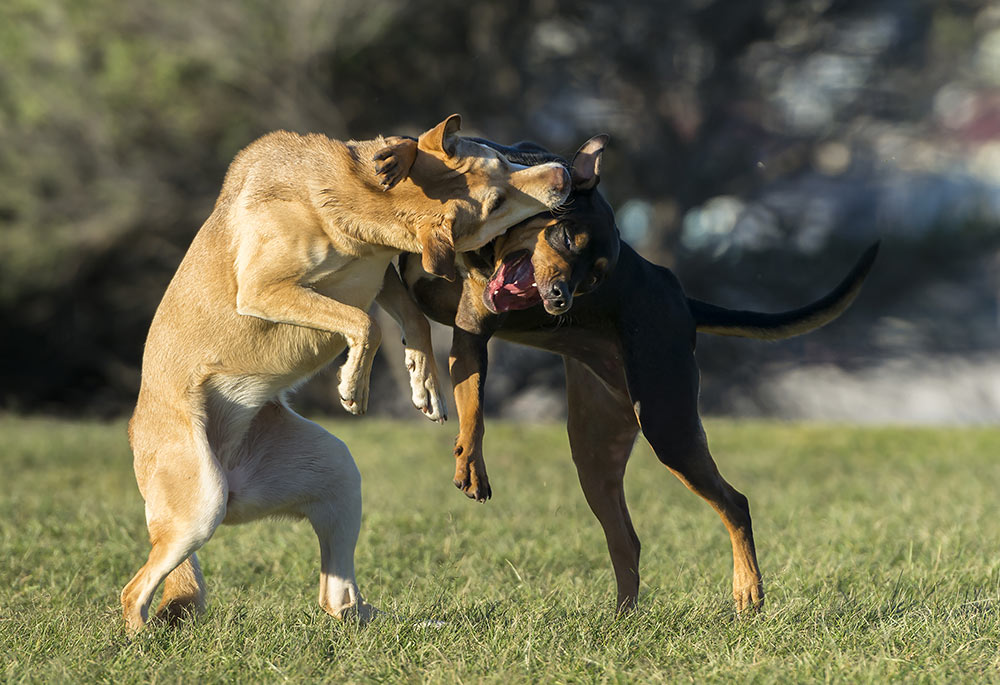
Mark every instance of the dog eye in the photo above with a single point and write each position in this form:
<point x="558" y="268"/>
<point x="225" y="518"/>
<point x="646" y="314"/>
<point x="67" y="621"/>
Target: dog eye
<point x="567" y="240"/>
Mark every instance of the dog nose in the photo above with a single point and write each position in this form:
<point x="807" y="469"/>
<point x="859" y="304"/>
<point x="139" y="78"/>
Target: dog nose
<point x="559" y="298"/>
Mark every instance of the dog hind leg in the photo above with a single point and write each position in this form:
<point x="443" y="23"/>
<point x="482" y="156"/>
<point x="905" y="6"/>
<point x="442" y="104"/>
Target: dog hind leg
<point x="183" y="591"/>
<point x="296" y="468"/>
<point x="184" y="506"/>
<point x="697" y="470"/>
<point x="337" y="527"/>
<point x="665" y="397"/>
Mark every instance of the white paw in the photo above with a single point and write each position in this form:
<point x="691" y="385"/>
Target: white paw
<point x="353" y="388"/>
<point x="424" y="391"/>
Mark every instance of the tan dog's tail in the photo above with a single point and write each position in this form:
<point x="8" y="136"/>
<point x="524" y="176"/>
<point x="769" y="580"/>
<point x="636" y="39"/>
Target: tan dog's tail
<point x="183" y="591"/>
<point x="744" y="324"/>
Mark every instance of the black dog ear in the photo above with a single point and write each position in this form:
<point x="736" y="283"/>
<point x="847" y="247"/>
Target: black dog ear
<point x="586" y="167"/>
<point x="393" y="162"/>
<point x="443" y="137"/>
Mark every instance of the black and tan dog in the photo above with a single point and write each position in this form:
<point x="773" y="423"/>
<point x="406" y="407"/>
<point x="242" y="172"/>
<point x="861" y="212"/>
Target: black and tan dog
<point x="628" y="348"/>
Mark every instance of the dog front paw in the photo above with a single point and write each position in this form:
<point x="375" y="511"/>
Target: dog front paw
<point x="354" y="376"/>
<point x="424" y="391"/>
<point x="353" y="388"/>
<point x="470" y="475"/>
<point x="393" y="162"/>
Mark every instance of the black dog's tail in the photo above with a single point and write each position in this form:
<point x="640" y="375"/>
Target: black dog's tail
<point x="743" y="324"/>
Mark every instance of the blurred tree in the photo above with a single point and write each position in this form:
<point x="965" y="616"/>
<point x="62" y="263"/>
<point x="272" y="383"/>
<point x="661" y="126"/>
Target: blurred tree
<point x="742" y="132"/>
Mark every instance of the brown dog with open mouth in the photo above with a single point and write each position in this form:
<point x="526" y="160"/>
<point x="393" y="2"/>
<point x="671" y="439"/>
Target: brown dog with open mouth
<point x="275" y="284"/>
<point x="628" y="348"/>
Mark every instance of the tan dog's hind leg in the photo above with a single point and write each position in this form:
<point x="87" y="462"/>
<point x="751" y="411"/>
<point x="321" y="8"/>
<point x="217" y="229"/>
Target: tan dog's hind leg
<point x="425" y="390"/>
<point x="184" y="506"/>
<point x="337" y="530"/>
<point x="602" y="429"/>
<point x="183" y="591"/>
<point x="296" y="468"/>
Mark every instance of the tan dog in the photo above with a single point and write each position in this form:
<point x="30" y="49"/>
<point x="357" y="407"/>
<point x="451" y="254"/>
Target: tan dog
<point x="275" y="284"/>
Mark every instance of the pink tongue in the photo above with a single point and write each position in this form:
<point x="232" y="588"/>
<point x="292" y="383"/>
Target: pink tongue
<point x="517" y="288"/>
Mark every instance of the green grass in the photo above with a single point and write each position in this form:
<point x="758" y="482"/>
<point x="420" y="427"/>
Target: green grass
<point x="880" y="550"/>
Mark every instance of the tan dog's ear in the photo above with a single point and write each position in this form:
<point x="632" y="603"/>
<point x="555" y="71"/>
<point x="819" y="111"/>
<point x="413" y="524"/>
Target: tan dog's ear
<point x="437" y="246"/>
<point x="586" y="167"/>
<point x="442" y="138"/>
<point x="393" y="162"/>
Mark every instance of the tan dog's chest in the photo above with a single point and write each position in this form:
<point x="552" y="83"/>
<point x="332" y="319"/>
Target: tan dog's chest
<point x="350" y="279"/>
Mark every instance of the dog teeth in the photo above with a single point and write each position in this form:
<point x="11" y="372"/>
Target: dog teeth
<point x="534" y="285"/>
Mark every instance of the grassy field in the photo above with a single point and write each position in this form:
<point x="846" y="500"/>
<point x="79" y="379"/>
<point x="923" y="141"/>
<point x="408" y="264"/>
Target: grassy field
<point x="880" y="550"/>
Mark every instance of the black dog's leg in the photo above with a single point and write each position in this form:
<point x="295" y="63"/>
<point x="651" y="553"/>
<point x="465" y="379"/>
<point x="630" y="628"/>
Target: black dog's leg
<point x="467" y="364"/>
<point x="602" y="429"/>
<point x="663" y="384"/>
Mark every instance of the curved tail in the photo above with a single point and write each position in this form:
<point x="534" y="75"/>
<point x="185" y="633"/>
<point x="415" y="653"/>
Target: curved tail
<point x="744" y="324"/>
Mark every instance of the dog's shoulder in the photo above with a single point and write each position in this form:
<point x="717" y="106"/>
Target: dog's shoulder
<point x="276" y="151"/>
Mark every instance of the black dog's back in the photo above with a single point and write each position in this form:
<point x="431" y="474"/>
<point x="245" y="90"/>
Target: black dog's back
<point x="524" y="153"/>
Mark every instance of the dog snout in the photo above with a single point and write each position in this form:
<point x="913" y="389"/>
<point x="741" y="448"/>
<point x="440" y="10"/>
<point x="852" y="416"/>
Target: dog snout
<point x="558" y="299"/>
<point x="549" y="184"/>
<point x="561" y="185"/>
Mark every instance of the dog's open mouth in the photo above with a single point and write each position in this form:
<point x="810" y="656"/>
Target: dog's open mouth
<point x="512" y="285"/>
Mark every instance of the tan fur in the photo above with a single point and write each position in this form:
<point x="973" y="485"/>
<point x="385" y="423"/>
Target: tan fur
<point x="275" y="284"/>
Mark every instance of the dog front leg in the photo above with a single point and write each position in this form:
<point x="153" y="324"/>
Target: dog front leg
<point x="425" y="390"/>
<point x="290" y="303"/>
<point x="467" y="363"/>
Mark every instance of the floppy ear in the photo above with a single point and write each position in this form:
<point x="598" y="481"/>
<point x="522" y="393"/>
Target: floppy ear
<point x="586" y="167"/>
<point x="443" y="137"/>
<point x="438" y="249"/>
<point x="393" y="162"/>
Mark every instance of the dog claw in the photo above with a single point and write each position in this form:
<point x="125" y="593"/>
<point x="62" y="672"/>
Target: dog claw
<point x="393" y="162"/>
<point x="749" y="596"/>
<point x="352" y="406"/>
<point x="388" y="172"/>
<point x="480" y="494"/>
<point x="430" y="413"/>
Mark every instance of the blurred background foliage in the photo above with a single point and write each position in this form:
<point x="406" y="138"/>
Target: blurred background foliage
<point x="757" y="146"/>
